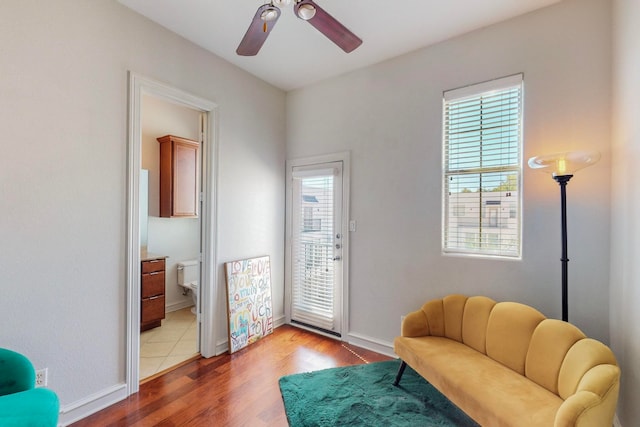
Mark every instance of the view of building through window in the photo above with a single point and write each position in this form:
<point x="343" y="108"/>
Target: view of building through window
<point x="482" y="168"/>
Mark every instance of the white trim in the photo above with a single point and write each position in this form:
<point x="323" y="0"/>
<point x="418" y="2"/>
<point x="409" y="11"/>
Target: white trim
<point x="488" y="86"/>
<point x="139" y="86"/>
<point x="316" y="331"/>
<point x="91" y="404"/>
<point x="345" y="158"/>
<point x="223" y="346"/>
<point x="616" y="421"/>
<point x="474" y="91"/>
<point x="178" y="305"/>
<point x="373" y="344"/>
<point x="209" y="314"/>
<point x="312" y="173"/>
<point x="279" y="321"/>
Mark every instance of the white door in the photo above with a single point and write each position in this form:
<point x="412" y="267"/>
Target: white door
<point x="316" y="247"/>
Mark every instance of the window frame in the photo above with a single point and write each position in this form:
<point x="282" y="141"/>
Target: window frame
<point x="480" y="91"/>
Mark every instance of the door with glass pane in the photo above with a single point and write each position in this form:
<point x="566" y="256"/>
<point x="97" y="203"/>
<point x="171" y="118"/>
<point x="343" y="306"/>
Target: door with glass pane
<point x="316" y="247"/>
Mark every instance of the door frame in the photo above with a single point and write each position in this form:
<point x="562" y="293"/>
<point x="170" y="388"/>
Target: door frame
<point x="345" y="158"/>
<point x="138" y="86"/>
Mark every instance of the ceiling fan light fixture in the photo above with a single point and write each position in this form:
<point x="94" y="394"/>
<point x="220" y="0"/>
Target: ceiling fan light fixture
<point x="306" y="11"/>
<point x="269" y="14"/>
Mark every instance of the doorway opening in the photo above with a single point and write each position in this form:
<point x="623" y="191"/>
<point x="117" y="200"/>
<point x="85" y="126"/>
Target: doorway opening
<point x="170" y="244"/>
<point x="171" y="281"/>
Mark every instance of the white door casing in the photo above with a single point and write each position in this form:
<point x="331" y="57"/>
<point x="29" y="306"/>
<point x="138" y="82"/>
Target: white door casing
<point x="139" y="86"/>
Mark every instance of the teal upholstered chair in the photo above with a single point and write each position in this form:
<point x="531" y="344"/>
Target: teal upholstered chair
<point x="22" y="405"/>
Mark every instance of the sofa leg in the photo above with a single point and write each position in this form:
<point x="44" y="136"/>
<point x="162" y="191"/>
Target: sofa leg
<point x="403" y="365"/>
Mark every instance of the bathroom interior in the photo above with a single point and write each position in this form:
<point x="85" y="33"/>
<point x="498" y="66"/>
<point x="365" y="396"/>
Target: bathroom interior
<point x="169" y="245"/>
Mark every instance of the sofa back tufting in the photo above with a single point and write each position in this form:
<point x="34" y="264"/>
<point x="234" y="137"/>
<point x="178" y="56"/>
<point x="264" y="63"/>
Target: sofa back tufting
<point x="554" y="354"/>
<point x="509" y="331"/>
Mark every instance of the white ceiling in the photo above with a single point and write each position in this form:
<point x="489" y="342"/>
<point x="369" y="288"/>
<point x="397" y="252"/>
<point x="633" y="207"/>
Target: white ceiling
<point x="296" y="54"/>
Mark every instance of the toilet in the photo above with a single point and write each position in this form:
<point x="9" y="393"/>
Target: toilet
<point x="188" y="277"/>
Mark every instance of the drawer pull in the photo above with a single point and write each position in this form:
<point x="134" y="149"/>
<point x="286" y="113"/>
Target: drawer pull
<point x="153" y="273"/>
<point x="155" y="297"/>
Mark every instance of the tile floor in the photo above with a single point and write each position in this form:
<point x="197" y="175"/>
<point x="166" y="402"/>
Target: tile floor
<point x="165" y="346"/>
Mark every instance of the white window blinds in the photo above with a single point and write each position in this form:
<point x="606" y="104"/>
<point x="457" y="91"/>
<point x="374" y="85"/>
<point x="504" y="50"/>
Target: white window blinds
<point x="312" y="249"/>
<point x="482" y="138"/>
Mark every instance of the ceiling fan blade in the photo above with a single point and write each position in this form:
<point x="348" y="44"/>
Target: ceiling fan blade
<point x="258" y="30"/>
<point x="330" y="27"/>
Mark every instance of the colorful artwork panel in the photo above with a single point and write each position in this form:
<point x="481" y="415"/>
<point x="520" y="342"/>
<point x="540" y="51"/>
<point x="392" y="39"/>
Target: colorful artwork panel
<point x="248" y="301"/>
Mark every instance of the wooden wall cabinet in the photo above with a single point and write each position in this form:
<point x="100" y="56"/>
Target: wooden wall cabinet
<point x="152" y="293"/>
<point x="179" y="177"/>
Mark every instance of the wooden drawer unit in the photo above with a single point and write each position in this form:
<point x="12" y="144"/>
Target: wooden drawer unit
<point x="152" y="284"/>
<point x="152" y="312"/>
<point x="153" y="265"/>
<point x="152" y="293"/>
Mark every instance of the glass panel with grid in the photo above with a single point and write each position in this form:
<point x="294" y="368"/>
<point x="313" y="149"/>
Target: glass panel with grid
<point x="482" y="136"/>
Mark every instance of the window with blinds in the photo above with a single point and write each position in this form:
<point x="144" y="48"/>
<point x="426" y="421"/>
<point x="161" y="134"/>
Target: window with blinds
<point x="482" y="137"/>
<point x="313" y="293"/>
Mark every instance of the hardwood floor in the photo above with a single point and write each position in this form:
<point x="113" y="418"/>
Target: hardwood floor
<point x="231" y="390"/>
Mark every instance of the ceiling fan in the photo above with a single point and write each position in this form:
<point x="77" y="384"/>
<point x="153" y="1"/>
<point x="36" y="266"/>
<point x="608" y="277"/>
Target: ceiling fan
<point x="267" y="15"/>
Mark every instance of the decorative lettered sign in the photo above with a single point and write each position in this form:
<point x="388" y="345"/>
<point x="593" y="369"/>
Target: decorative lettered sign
<point x="248" y="301"/>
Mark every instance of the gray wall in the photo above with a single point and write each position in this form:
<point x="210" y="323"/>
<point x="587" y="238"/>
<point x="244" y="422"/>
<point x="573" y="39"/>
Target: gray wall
<point x="625" y="207"/>
<point x="389" y="116"/>
<point x="63" y="177"/>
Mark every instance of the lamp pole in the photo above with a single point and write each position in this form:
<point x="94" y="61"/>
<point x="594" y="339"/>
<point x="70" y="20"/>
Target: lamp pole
<point x="562" y="166"/>
<point x="563" y="180"/>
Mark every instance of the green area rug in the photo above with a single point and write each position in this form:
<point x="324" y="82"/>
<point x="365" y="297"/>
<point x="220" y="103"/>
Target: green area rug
<point x="364" y="395"/>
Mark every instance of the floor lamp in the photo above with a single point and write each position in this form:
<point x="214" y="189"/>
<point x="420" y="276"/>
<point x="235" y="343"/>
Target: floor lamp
<point x="562" y="166"/>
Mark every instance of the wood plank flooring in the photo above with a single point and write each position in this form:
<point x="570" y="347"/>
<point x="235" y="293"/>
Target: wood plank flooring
<point x="231" y="390"/>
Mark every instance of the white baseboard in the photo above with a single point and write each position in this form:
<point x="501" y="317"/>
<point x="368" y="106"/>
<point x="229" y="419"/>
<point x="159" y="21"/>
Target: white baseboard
<point x="616" y="421"/>
<point x="178" y="306"/>
<point x="223" y="346"/>
<point x="91" y="404"/>
<point x="279" y="321"/>
<point x="370" y="343"/>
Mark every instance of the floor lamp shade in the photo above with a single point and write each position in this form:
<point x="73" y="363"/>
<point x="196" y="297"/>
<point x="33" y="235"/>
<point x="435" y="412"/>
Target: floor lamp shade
<point x="564" y="163"/>
<point x="562" y="166"/>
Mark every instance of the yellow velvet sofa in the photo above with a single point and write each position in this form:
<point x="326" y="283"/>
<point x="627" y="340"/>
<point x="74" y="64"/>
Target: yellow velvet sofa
<point x="505" y="364"/>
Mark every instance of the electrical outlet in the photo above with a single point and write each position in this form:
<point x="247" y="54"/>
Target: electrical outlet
<point x="41" y="377"/>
